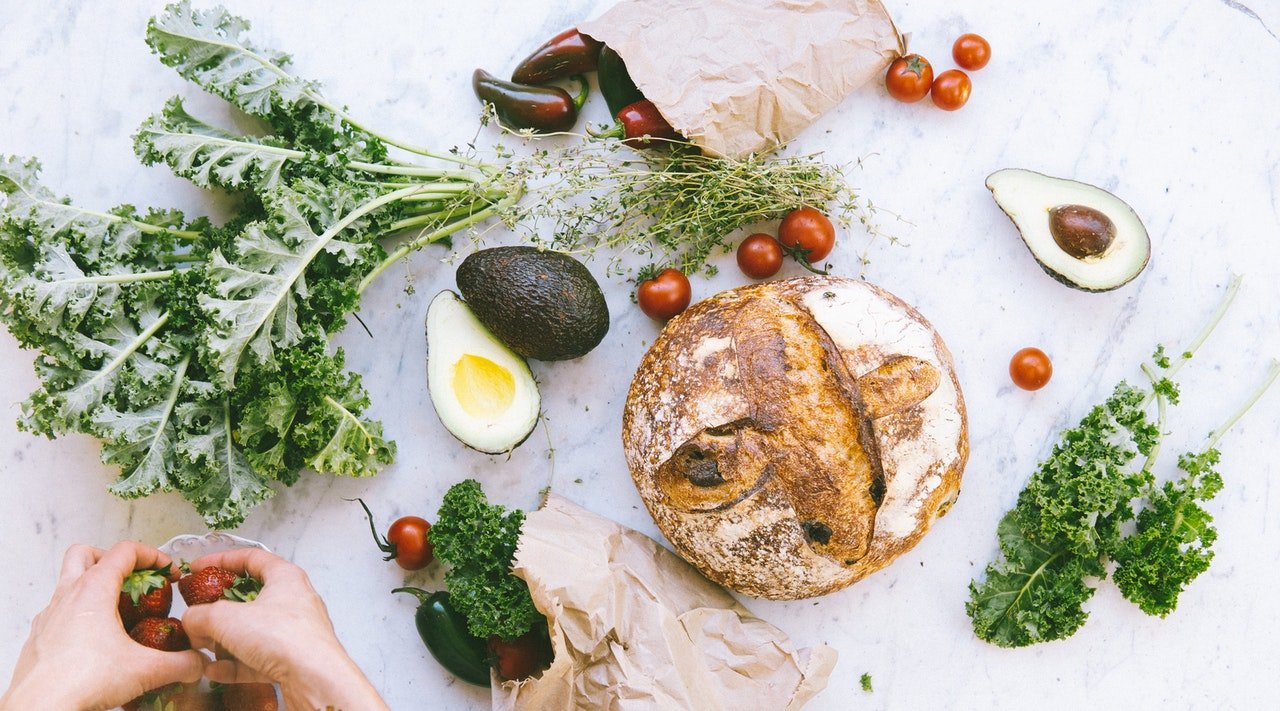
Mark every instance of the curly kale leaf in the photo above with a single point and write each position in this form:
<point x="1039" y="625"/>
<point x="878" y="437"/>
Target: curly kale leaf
<point x="261" y="296"/>
<point x="478" y="541"/>
<point x="1073" y="497"/>
<point x="1172" y="544"/>
<point x="1036" y="595"/>
<point x="1064" y="524"/>
<point x="210" y="48"/>
<point x="209" y="156"/>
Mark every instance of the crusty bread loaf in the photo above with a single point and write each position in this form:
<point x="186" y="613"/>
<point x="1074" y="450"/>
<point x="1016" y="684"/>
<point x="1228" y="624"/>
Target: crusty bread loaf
<point x="792" y="437"/>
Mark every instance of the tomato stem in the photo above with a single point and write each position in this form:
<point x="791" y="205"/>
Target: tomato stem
<point x="384" y="545"/>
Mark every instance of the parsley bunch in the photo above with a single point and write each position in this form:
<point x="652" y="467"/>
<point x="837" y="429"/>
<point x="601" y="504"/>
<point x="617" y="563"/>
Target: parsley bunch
<point x="1091" y="503"/>
<point x="478" y="540"/>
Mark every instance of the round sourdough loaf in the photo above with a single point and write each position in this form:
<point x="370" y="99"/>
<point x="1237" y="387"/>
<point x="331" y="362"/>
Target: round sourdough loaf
<point x="792" y="437"/>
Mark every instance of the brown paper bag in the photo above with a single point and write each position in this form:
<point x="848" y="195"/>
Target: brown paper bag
<point x="743" y="76"/>
<point x="635" y="627"/>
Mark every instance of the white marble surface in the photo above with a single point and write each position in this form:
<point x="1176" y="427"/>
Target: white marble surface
<point x="1174" y="105"/>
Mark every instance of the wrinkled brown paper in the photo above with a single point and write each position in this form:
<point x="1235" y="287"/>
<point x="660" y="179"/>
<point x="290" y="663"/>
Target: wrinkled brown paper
<point x="743" y="76"/>
<point x="635" y="627"/>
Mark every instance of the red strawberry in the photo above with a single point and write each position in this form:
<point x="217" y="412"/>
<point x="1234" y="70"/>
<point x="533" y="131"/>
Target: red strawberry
<point x="145" y="593"/>
<point x="249" y="697"/>
<point x="209" y="585"/>
<point x="162" y="633"/>
<point x="175" y="697"/>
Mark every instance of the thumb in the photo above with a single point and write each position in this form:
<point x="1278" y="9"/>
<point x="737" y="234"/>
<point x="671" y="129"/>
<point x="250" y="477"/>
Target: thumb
<point x="230" y="671"/>
<point x="207" y="625"/>
<point x="164" y="668"/>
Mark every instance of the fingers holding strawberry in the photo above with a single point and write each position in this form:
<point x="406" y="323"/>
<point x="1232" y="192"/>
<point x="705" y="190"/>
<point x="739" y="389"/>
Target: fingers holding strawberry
<point x="213" y="583"/>
<point x="145" y="593"/>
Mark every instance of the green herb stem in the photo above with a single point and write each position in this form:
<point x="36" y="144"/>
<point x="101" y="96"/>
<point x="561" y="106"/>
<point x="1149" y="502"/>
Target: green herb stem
<point x="1162" y="410"/>
<point x="1261" y="390"/>
<point x="433" y="236"/>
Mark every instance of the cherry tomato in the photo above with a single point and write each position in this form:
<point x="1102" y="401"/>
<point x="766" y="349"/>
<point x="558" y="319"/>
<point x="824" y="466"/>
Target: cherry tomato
<point x="409" y="535"/>
<point x="1030" y="369"/>
<point x="407" y="542"/>
<point x="809" y="229"/>
<point x="521" y="657"/>
<point x="760" y="256"/>
<point x="665" y="295"/>
<point x="951" y="90"/>
<point x="971" y="51"/>
<point x="909" y="78"/>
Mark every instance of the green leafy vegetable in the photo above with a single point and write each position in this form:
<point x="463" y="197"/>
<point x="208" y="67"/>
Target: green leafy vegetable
<point x="865" y="681"/>
<point x="1074" y="516"/>
<point x="478" y="541"/>
<point x="198" y="353"/>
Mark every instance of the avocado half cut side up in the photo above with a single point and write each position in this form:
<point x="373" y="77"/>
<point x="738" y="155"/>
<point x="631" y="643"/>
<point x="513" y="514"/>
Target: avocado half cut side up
<point x="484" y="393"/>
<point x="1080" y="234"/>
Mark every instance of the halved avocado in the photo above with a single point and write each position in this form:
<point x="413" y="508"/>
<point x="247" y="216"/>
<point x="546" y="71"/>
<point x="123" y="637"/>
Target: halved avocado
<point x="482" y="391"/>
<point x="1080" y="234"/>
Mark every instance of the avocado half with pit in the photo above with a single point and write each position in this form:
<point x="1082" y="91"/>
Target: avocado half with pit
<point x="484" y="393"/>
<point x="1080" y="234"/>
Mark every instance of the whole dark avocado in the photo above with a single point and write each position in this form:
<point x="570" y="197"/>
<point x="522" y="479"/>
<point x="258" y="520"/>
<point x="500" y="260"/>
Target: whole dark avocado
<point x="543" y="305"/>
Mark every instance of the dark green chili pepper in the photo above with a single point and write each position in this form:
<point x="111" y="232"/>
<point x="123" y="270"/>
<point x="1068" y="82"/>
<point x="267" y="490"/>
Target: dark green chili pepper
<point x="561" y="57"/>
<point x="615" y="83"/>
<point x="445" y="633"/>
<point x="546" y="109"/>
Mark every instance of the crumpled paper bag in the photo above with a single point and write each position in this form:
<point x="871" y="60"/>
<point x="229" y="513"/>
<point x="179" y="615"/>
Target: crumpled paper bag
<point x="743" y="76"/>
<point x="635" y="627"/>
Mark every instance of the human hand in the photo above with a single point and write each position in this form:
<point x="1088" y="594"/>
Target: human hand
<point x="78" y="655"/>
<point x="282" y="636"/>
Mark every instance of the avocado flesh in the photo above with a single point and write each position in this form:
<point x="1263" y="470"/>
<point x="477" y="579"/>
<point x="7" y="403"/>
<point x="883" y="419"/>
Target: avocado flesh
<point x="543" y="305"/>
<point x="484" y="393"/>
<point x="1030" y="199"/>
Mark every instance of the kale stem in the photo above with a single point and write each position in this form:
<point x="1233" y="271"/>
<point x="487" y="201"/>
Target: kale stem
<point x="449" y="157"/>
<point x="436" y="236"/>
<point x="1257" y="394"/>
<point x="1162" y="409"/>
<point x="412" y="170"/>
<point x="1232" y="287"/>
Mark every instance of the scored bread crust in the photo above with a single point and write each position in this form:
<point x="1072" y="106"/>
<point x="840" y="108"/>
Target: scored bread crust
<point x="791" y="437"/>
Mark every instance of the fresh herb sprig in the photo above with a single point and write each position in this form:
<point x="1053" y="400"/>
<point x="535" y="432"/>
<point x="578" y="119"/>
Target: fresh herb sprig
<point x="1074" y="516"/>
<point x="673" y="206"/>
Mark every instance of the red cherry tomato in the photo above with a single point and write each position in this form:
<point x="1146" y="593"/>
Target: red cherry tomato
<point x="408" y="541"/>
<point x="951" y="90"/>
<point x="909" y="78"/>
<point x="521" y="657"/>
<point x="1030" y="369"/>
<point x="810" y="230"/>
<point x="760" y="256"/>
<point x="409" y="535"/>
<point x="665" y="295"/>
<point x="971" y="51"/>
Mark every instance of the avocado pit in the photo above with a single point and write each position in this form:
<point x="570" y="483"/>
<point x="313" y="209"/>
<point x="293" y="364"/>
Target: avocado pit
<point x="1081" y="231"/>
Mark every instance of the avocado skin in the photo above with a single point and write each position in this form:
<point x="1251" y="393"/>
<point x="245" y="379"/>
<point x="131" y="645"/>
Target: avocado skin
<point x="543" y="305"/>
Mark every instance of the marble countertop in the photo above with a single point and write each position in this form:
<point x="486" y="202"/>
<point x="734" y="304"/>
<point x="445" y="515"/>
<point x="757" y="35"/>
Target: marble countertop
<point x="1174" y="106"/>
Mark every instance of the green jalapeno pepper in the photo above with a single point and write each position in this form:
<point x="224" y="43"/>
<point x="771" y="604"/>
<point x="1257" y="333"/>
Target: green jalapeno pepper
<point x="445" y="633"/>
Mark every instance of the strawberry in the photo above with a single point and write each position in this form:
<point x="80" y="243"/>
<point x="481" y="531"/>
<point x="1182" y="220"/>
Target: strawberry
<point x="162" y="633"/>
<point x="213" y="583"/>
<point x="145" y="593"/>
<point x="249" y="697"/>
<point x="175" y="697"/>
